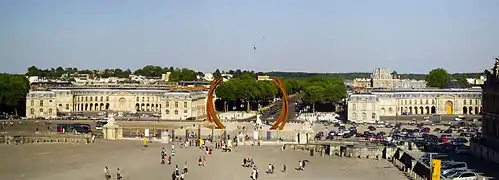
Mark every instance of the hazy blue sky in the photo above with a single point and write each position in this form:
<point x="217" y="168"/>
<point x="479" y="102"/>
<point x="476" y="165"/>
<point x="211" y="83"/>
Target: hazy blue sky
<point x="306" y="35"/>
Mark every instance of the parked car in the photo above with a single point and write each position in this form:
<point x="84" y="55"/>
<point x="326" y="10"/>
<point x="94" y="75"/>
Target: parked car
<point x="462" y="150"/>
<point x="453" y="166"/>
<point x="468" y="175"/>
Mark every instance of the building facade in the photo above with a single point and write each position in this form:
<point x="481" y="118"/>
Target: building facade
<point x="399" y="102"/>
<point x="53" y="102"/>
<point x="382" y="78"/>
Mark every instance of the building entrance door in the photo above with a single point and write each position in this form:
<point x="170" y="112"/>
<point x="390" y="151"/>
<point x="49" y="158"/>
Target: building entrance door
<point x="448" y="107"/>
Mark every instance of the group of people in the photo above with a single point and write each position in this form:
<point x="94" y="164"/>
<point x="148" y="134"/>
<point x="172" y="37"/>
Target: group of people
<point x="248" y="162"/>
<point x="107" y="174"/>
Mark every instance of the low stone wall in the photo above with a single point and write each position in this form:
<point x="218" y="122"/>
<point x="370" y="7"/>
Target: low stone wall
<point x="38" y="139"/>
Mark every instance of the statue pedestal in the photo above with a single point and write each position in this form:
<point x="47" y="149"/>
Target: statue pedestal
<point x="112" y="132"/>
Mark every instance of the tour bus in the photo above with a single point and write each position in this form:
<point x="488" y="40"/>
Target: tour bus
<point x="76" y="128"/>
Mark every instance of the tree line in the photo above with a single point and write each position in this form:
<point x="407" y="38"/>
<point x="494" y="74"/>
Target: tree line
<point x="13" y="90"/>
<point x="246" y="93"/>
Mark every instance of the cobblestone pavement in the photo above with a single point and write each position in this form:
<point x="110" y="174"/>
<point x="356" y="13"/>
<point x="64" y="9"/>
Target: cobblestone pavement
<point x="64" y="161"/>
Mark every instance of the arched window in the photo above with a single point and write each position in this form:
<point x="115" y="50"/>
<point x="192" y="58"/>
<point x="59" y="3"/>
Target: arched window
<point x="167" y="111"/>
<point x="50" y="111"/>
<point x="138" y="98"/>
<point x="373" y="116"/>
<point x="67" y="106"/>
<point x="101" y="98"/>
<point x="32" y="111"/>
<point x="176" y="104"/>
<point x="107" y="98"/>
<point x="185" y="104"/>
<point x="41" y="110"/>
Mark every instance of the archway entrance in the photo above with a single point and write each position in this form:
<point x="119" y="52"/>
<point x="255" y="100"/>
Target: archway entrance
<point x="448" y="107"/>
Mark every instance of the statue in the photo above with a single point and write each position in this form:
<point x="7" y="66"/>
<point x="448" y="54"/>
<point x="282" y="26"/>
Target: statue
<point x="110" y="119"/>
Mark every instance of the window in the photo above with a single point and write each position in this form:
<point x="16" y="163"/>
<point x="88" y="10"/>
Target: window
<point x="416" y="101"/>
<point x="420" y="101"/>
<point x="41" y="110"/>
<point x="433" y="101"/>
<point x="32" y="102"/>
<point x="167" y="104"/>
<point x="91" y="98"/>
<point x="176" y="112"/>
<point x="354" y="107"/>
<point x="147" y="99"/>
<point x="185" y="104"/>
<point x="364" y="106"/>
<point x="405" y="102"/>
<point x="185" y="111"/>
<point x="401" y="102"/>
<point x="86" y="98"/>
<point x="32" y="111"/>
<point x="390" y="110"/>
<point x="50" y="111"/>
<point x="464" y="102"/>
<point x="101" y="98"/>
<point x="96" y="98"/>
<point x="107" y="98"/>
<point x="41" y="102"/>
<point x="373" y="116"/>
<point x="471" y="102"/>
<point x="67" y="106"/>
<point x="427" y="101"/>
<point x="167" y="111"/>
<point x="410" y="101"/>
<point x="176" y="104"/>
<point x="143" y="98"/>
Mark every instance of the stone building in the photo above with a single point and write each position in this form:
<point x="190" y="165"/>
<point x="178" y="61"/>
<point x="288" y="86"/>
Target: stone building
<point x="382" y="78"/>
<point x="488" y="147"/>
<point x="57" y="101"/>
<point x="399" y="102"/>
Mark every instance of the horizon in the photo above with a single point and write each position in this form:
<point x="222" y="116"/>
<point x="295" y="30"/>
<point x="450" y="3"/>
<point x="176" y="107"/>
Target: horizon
<point x="313" y="37"/>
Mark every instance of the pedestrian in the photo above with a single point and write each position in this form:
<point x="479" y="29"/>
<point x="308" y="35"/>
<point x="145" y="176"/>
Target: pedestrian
<point x="283" y="168"/>
<point x="118" y="174"/>
<point x="185" y="168"/>
<point x="169" y="160"/>
<point x="200" y="161"/>
<point x="204" y="161"/>
<point x="107" y="174"/>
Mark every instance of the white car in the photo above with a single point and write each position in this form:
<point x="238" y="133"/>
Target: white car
<point x="464" y="176"/>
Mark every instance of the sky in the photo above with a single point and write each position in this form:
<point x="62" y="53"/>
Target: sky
<point x="408" y="36"/>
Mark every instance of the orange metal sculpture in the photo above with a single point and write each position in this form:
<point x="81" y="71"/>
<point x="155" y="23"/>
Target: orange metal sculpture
<point x="212" y="116"/>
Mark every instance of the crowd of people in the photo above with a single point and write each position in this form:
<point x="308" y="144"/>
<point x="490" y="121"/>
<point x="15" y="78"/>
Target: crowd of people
<point x="250" y="163"/>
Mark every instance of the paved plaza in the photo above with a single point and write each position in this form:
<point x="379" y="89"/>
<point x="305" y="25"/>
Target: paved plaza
<point x="65" y="161"/>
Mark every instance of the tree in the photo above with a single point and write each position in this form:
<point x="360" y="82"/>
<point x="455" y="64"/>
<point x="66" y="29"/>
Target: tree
<point x="33" y="71"/>
<point x="313" y="94"/>
<point x="437" y="78"/>
<point x="217" y="74"/>
<point x="13" y="90"/>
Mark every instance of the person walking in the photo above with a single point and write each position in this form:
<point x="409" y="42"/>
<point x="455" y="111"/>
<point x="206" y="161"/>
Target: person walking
<point x="118" y="174"/>
<point x="107" y="174"/>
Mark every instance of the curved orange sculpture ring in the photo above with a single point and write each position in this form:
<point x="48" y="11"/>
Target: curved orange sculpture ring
<point x="211" y="115"/>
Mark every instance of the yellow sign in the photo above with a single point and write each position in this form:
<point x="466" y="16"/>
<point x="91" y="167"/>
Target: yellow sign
<point x="145" y="141"/>
<point x="436" y="163"/>
<point x="201" y="142"/>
